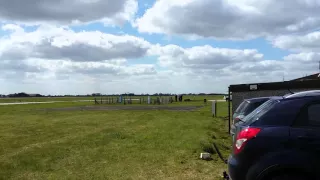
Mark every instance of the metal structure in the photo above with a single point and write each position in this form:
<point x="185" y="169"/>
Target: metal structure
<point x="134" y="100"/>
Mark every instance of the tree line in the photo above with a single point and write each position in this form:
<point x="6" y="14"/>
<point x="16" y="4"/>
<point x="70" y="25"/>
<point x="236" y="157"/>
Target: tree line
<point x="23" y="94"/>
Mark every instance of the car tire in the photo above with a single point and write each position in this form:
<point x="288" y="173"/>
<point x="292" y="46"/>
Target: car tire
<point x="287" y="177"/>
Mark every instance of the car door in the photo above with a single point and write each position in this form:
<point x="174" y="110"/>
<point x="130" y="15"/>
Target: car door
<point x="305" y="134"/>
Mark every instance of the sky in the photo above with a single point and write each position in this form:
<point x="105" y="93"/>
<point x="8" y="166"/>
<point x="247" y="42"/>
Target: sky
<point x="154" y="46"/>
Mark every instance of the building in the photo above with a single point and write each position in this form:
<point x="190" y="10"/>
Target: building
<point x="244" y="91"/>
<point x="307" y="78"/>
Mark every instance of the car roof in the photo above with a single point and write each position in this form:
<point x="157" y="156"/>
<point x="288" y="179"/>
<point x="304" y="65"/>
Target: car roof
<point x="259" y="99"/>
<point x="312" y="93"/>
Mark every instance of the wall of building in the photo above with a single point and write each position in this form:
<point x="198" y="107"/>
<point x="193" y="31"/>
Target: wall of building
<point x="238" y="97"/>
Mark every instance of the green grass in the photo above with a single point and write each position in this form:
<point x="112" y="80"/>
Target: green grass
<point x="109" y="144"/>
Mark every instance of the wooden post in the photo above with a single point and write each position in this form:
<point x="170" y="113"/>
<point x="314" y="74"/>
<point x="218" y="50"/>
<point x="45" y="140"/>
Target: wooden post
<point x="214" y="111"/>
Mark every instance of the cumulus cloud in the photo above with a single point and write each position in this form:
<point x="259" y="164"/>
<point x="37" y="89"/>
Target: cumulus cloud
<point x="233" y="66"/>
<point x="306" y="63"/>
<point x="68" y="11"/>
<point x="203" y="57"/>
<point x="229" y="19"/>
<point x="93" y="61"/>
<point x="53" y="53"/>
<point x="63" y="43"/>
<point x="22" y="66"/>
<point x="298" y="43"/>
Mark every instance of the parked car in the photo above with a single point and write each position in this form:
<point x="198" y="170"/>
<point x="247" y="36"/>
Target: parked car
<point x="246" y="107"/>
<point x="280" y="140"/>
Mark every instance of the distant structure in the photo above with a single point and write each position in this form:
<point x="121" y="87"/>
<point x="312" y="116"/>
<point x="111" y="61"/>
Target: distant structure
<point x="252" y="90"/>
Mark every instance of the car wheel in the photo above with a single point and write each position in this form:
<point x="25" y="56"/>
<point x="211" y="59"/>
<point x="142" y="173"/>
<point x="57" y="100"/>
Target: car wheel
<point x="287" y="177"/>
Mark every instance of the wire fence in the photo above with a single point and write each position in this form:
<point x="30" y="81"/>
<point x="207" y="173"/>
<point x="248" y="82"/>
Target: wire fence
<point x="134" y="100"/>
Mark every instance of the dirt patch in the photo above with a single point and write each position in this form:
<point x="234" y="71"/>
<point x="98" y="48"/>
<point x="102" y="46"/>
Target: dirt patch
<point x="124" y="107"/>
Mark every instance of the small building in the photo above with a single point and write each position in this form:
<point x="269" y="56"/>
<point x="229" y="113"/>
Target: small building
<point x="245" y="91"/>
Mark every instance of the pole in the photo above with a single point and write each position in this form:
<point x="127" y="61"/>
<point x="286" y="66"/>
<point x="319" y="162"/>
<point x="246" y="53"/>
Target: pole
<point x="216" y="109"/>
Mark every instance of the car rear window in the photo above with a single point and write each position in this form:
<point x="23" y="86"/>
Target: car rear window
<point x="251" y="107"/>
<point x="242" y="107"/>
<point x="245" y="107"/>
<point x="260" y="111"/>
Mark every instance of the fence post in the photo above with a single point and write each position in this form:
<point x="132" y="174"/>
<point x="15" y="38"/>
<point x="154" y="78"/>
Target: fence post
<point x="214" y="108"/>
<point x="101" y="100"/>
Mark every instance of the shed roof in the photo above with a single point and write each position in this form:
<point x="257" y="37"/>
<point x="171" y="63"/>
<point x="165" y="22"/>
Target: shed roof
<point x="310" y="77"/>
<point x="312" y="82"/>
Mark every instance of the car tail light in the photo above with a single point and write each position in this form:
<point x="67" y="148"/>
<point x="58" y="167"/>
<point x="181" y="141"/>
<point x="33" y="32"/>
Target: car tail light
<point x="243" y="137"/>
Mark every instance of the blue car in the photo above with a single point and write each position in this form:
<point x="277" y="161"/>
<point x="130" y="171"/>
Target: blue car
<point x="245" y="108"/>
<point x="280" y="140"/>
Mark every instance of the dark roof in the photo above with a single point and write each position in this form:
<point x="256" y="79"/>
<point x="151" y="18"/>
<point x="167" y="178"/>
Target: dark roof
<point x="314" y="84"/>
<point x="307" y="82"/>
<point x="310" y="77"/>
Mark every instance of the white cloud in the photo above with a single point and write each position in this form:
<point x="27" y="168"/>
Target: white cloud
<point x="51" y="54"/>
<point x="299" y="43"/>
<point x="68" y="11"/>
<point x="203" y="57"/>
<point x="62" y="43"/>
<point x="305" y="63"/>
<point x="55" y="60"/>
<point x="230" y="19"/>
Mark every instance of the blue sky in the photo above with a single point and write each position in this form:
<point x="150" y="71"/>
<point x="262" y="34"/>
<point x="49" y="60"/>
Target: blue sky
<point x="177" y="46"/>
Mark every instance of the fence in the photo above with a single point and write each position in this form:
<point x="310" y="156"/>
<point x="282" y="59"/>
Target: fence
<point x="134" y="100"/>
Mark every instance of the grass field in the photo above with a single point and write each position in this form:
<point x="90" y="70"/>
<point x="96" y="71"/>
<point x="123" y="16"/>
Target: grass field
<point x="41" y="99"/>
<point x="38" y="143"/>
